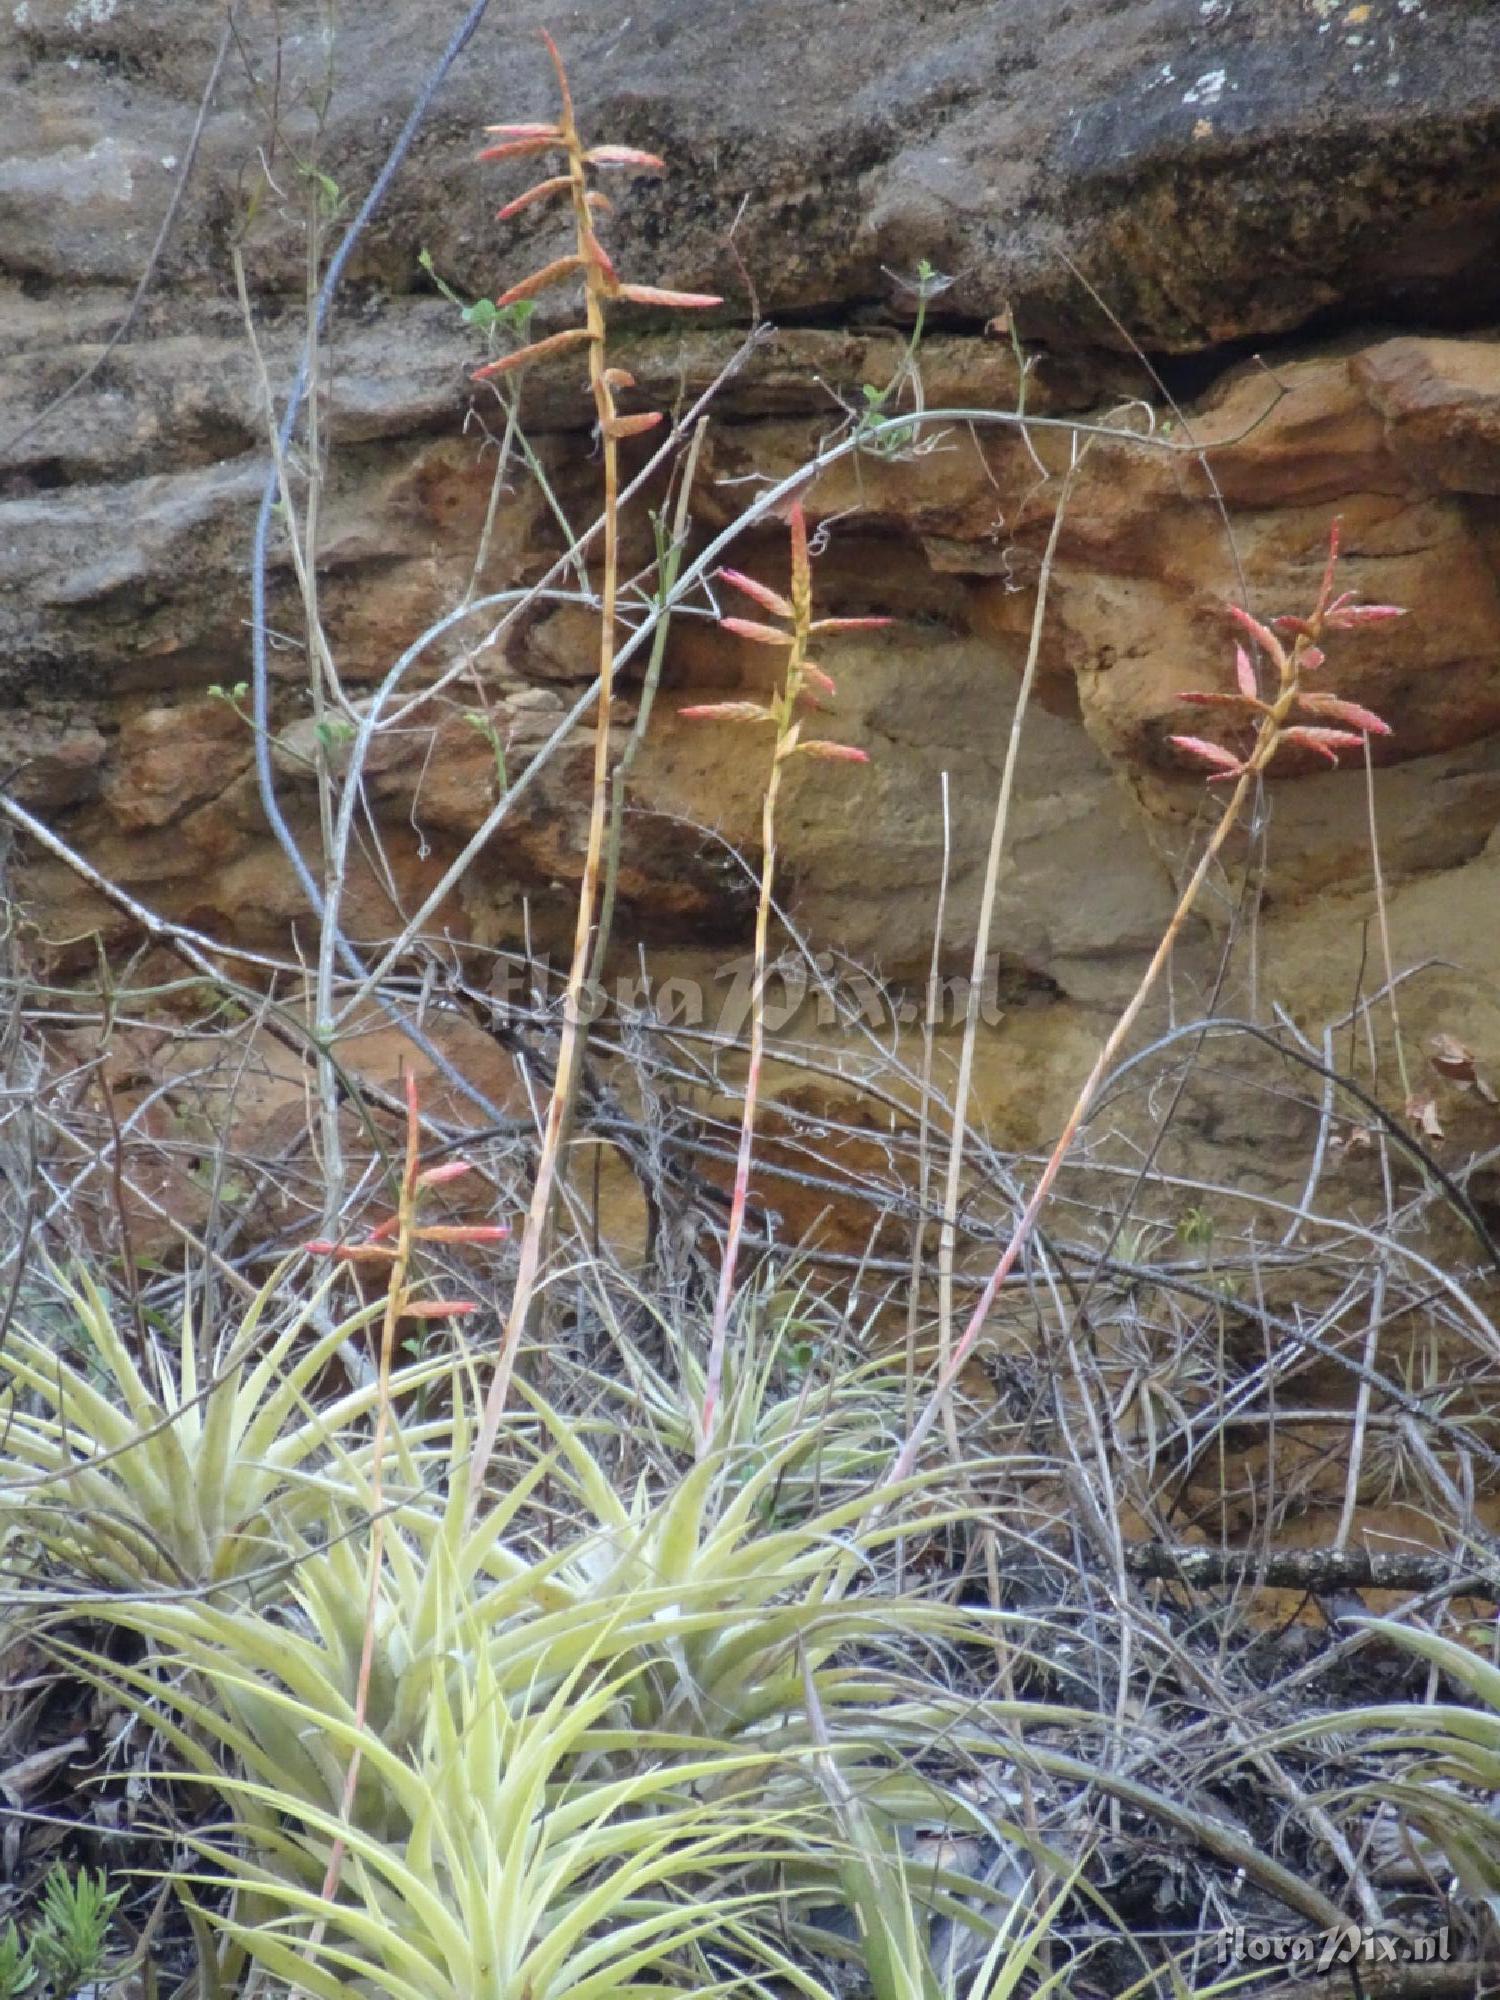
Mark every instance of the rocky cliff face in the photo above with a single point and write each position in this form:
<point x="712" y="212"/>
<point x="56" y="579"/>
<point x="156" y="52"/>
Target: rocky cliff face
<point x="1264" y="232"/>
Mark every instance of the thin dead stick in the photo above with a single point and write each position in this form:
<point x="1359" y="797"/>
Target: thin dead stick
<point x="1385" y="929"/>
<point x="924" y="1122"/>
<point x="953" y="1180"/>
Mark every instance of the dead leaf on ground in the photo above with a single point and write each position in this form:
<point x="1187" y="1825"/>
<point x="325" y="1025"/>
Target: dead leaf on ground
<point x="1422" y="1112"/>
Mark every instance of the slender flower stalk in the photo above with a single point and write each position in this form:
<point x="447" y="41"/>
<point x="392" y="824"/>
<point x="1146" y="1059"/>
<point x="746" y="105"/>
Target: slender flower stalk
<point x="1276" y="727"/>
<point x="800" y="677"/>
<point x="390" y="1247"/>
<point x="589" y="261"/>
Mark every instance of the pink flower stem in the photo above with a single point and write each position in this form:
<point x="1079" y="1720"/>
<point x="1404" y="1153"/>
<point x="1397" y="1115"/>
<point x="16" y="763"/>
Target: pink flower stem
<point x="1273" y="722"/>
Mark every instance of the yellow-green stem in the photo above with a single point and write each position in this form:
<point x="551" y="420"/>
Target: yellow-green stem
<point x="574" y="1029"/>
<point x="724" y="1298"/>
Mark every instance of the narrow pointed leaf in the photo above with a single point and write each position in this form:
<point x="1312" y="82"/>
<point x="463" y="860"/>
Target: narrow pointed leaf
<point x="523" y="131"/>
<point x="832" y="753"/>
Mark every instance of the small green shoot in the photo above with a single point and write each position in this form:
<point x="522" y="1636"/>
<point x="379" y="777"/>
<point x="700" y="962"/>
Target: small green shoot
<point x="70" y="1938"/>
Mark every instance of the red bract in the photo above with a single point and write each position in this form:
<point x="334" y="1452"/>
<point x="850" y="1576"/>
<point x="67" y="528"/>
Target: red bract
<point x="727" y="711"/>
<point x="559" y="184"/>
<point x="850" y="624"/>
<point x="1327" y="742"/>
<point x="763" y="635"/>
<point x="1262" y="634"/>
<point x="461" y="1232"/>
<point x="1225" y="764"/>
<point x="1362" y="614"/>
<point x="550" y="274"/>
<point x="555" y="343"/>
<point x="1206" y="698"/>
<point x="653" y="295"/>
<point x="625" y="156"/>
<point x="1344" y="711"/>
<point x="629" y="427"/>
<point x="764" y="596"/>
<point x="841" y="753"/>
<point x="351" y="1253"/>
<point x="520" y="149"/>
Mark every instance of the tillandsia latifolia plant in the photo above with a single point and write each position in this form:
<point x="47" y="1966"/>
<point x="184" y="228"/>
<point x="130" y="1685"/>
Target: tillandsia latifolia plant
<point x="589" y="262"/>
<point x="1291" y="647"/>
<point x="801" y="680"/>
